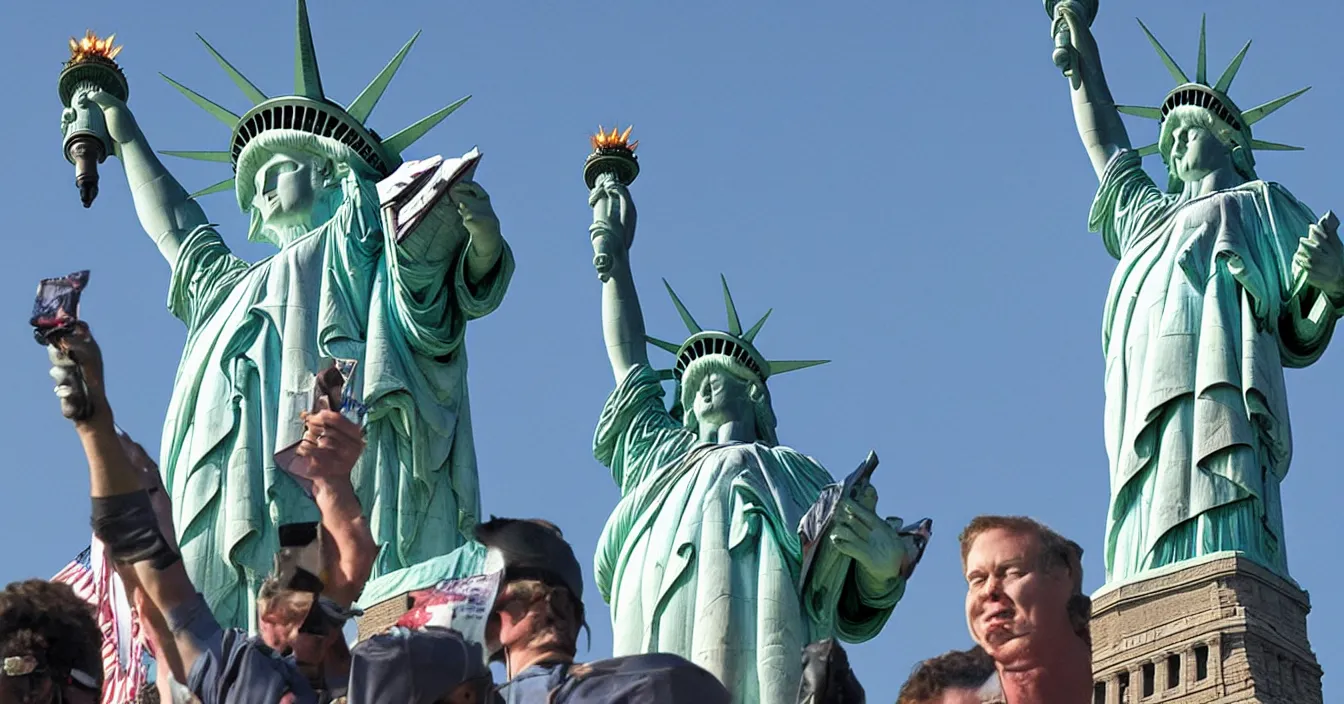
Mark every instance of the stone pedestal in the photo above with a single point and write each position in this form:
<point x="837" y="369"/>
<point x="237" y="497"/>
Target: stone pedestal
<point x="1217" y="629"/>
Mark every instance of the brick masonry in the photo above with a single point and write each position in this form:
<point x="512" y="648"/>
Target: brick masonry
<point x="1219" y="629"/>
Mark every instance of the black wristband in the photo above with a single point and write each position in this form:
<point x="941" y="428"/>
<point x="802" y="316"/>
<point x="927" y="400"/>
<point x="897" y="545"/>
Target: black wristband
<point x="129" y="529"/>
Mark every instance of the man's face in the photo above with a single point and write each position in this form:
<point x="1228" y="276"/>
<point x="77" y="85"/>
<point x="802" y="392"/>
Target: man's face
<point x="1012" y="603"/>
<point x="510" y="624"/>
<point x="281" y="617"/>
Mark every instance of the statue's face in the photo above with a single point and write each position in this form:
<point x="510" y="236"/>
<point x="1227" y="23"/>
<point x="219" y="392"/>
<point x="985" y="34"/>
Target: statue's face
<point x="1196" y="152"/>
<point x="289" y="187"/>
<point x="722" y="398"/>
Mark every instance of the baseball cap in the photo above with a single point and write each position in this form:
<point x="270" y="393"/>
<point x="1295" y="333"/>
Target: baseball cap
<point x="402" y="666"/>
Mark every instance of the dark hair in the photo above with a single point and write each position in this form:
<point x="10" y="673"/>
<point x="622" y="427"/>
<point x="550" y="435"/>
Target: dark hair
<point x="958" y="669"/>
<point x="48" y="621"/>
<point x="1056" y="552"/>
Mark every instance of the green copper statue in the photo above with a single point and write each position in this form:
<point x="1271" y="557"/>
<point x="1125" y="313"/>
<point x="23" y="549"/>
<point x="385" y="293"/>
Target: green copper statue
<point x="307" y="171"/>
<point x="1223" y="280"/>
<point x="702" y="557"/>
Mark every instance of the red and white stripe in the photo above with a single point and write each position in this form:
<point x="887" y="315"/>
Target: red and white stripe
<point x="124" y="648"/>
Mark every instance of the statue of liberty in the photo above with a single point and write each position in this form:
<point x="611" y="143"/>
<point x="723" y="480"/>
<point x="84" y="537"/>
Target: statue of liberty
<point x="1223" y="280"/>
<point x="306" y="170"/>
<point x="703" y="556"/>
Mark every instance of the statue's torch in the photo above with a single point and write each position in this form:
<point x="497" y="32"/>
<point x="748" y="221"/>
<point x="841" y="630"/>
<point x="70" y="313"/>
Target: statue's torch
<point x="1085" y="10"/>
<point x="613" y="154"/>
<point x="87" y="143"/>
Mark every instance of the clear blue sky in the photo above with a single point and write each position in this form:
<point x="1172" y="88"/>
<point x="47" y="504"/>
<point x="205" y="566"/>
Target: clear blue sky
<point x="902" y="182"/>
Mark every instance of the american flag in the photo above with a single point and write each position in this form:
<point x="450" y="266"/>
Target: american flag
<point x="124" y="650"/>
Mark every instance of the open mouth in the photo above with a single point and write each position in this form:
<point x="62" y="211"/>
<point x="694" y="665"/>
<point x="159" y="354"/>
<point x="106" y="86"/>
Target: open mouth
<point x="1000" y="617"/>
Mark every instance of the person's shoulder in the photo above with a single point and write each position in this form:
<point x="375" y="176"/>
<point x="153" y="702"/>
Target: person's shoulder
<point x="648" y="678"/>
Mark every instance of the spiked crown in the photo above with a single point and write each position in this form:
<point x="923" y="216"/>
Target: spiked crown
<point x="734" y="343"/>
<point x="1209" y="96"/>
<point x="308" y="110"/>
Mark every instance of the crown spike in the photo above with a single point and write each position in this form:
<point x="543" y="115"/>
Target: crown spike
<point x="734" y="323"/>
<point x="204" y="103"/>
<point x="686" y="318"/>
<point x="1225" y="81"/>
<point x="750" y="336"/>
<point x="402" y="140"/>
<point x="222" y="157"/>
<point x="1172" y="68"/>
<point x="663" y="344"/>
<point x="1260" y="112"/>
<point x="782" y="367"/>
<point x="1202" y="70"/>
<point x="1141" y="111"/>
<point x="363" y="105"/>
<point x="307" y="79"/>
<point x="1262" y="145"/>
<point x="251" y="91"/>
<point x="1147" y="150"/>
<point x="667" y="375"/>
<point x="225" y="185"/>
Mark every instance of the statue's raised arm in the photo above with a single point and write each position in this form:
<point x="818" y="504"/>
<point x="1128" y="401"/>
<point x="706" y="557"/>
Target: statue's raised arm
<point x="1094" y="110"/>
<point x="1219" y="272"/>
<point x="613" y="230"/>
<point x="166" y="211"/>
<point x="381" y="274"/>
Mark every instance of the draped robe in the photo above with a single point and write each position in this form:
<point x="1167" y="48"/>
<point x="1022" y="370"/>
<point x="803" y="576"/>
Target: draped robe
<point x="256" y="335"/>
<point x="701" y="557"/>
<point x="1201" y="318"/>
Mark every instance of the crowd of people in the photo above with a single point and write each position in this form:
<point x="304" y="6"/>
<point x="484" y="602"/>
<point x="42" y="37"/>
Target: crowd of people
<point x="1025" y="608"/>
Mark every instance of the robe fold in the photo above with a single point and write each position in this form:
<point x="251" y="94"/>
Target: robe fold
<point x="1201" y="318"/>
<point x="256" y="335"/>
<point x="701" y="557"/>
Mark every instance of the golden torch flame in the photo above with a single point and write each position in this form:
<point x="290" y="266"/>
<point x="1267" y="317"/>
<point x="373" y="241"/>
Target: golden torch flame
<point x="614" y="139"/>
<point x="91" y="46"/>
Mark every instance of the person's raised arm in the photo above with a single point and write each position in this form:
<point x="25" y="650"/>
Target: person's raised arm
<point x="1094" y="110"/>
<point x="123" y="513"/>
<point x="332" y="445"/>
<point x="622" y="318"/>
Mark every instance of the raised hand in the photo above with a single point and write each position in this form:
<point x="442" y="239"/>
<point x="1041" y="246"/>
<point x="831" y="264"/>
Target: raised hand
<point x="613" y="228"/>
<point x="332" y="443"/>
<point x="1320" y="257"/>
<point x="77" y="368"/>
<point x="119" y="121"/>
<point x="617" y="210"/>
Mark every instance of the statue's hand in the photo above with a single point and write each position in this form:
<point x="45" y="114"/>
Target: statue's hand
<point x="473" y="204"/>
<point x="613" y="209"/>
<point x="1074" y="46"/>
<point x="875" y="544"/>
<point x="1320" y="257"/>
<point x="121" y="125"/>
